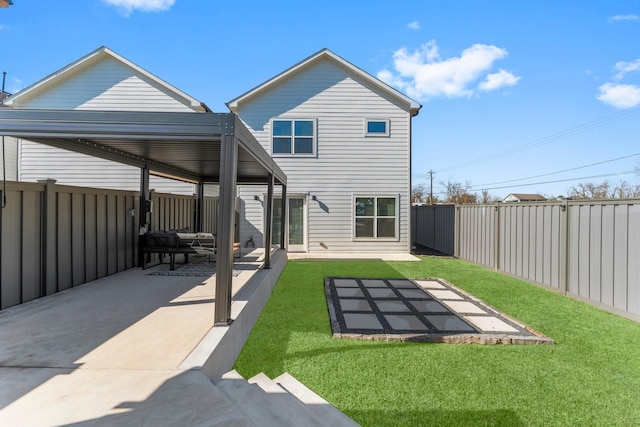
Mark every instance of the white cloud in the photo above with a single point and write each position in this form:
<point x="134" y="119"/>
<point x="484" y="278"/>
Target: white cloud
<point x="423" y="74"/>
<point x="624" y="18"/>
<point x="128" y="6"/>
<point x="415" y="25"/>
<point x="620" y="96"/>
<point x="497" y="80"/>
<point x="626" y="67"/>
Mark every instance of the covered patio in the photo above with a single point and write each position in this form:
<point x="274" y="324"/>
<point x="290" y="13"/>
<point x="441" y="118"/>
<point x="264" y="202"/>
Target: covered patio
<point x="200" y="148"/>
<point x="129" y="349"/>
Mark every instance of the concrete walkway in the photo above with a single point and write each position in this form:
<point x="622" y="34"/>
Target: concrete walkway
<point x="112" y="352"/>
<point x="397" y="256"/>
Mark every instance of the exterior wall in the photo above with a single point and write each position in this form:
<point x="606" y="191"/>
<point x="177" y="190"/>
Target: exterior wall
<point x="346" y="163"/>
<point x="111" y="86"/>
<point x="10" y="159"/>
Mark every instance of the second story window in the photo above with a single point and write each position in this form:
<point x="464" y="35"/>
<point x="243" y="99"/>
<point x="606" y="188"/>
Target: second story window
<point x="378" y="127"/>
<point x="293" y="137"/>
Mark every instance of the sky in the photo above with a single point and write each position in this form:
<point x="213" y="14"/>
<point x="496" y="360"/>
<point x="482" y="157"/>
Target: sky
<point x="528" y="96"/>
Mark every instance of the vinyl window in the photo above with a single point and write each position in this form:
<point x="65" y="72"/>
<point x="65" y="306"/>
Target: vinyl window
<point x="293" y="137"/>
<point x="375" y="217"/>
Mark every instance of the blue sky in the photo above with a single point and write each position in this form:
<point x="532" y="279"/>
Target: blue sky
<point x="510" y="89"/>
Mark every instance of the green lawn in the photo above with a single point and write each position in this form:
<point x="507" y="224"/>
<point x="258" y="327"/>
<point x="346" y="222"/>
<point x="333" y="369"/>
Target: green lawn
<point x="590" y="377"/>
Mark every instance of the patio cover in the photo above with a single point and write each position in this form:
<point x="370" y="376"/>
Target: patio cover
<point x="193" y="147"/>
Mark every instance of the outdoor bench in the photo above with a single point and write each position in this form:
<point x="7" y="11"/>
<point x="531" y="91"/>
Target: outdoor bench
<point x="172" y="243"/>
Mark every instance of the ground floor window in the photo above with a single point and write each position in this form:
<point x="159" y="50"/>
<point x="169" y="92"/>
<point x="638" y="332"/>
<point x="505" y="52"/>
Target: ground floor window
<point x="376" y="217"/>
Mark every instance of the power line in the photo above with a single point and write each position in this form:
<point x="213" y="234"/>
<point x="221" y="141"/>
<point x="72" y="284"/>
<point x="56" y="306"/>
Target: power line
<point x="564" y="180"/>
<point x="584" y="127"/>
<point x="557" y="172"/>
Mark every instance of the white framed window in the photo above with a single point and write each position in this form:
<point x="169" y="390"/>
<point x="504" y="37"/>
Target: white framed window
<point x="376" y="127"/>
<point x="375" y="217"/>
<point x="293" y="137"/>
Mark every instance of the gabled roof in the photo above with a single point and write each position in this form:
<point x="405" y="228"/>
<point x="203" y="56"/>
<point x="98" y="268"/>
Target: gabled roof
<point x="86" y="62"/>
<point x="522" y="197"/>
<point x="325" y="54"/>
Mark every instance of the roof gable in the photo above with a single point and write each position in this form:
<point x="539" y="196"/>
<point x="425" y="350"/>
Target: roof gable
<point x="91" y="61"/>
<point x="324" y="55"/>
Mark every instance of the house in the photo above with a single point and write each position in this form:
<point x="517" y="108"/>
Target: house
<point x="102" y="80"/>
<point x="9" y="147"/>
<point x="343" y="138"/>
<point x="519" y="197"/>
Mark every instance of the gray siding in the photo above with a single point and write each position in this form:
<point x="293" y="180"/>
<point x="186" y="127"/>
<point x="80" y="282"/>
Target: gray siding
<point x="347" y="163"/>
<point x="10" y="159"/>
<point x="108" y="85"/>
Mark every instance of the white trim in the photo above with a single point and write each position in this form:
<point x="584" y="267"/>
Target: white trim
<point x="292" y="154"/>
<point x="354" y="196"/>
<point x="412" y="106"/>
<point x="368" y="134"/>
<point x="86" y="61"/>
<point x="305" y="220"/>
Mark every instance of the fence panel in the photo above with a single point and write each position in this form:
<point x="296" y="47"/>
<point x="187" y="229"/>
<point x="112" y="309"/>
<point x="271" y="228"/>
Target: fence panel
<point x="434" y="227"/>
<point x="54" y="237"/>
<point x="589" y="250"/>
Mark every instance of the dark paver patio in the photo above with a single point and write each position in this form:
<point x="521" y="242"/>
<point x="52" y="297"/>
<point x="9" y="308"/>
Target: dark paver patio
<point x="426" y="310"/>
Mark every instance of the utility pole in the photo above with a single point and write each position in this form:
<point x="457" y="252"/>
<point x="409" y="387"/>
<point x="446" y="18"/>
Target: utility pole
<point x="431" y="186"/>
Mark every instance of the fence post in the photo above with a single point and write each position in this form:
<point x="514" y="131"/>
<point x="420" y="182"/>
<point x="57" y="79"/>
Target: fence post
<point x="49" y="250"/>
<point x="456" y="238"/>
<point x="496" y="243"/>
<point x="564" y="247"/>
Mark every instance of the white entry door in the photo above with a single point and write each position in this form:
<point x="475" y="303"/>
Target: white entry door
<point x="296" y="230"/>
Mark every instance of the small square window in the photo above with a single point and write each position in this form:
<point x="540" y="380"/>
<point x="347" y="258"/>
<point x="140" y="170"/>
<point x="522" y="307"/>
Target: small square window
<point x="376" y="127"/>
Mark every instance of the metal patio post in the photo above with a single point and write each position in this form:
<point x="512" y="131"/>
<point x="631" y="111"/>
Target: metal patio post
<point x="268" y="229"/>
<point x="226" y="227"/>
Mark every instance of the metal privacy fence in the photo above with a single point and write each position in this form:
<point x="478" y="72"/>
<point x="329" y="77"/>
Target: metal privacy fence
<point x="589" y="250"/>
<point x="54" y="237"/>
<point x="434" y="227"/>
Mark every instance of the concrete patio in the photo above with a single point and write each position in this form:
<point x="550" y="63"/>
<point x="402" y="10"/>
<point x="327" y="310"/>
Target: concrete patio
<point x="128" y="349"/>
<point x="139" y="348"/>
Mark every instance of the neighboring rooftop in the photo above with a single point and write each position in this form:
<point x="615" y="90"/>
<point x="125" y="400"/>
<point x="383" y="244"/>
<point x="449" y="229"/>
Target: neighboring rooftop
<point x="521" y="197"/>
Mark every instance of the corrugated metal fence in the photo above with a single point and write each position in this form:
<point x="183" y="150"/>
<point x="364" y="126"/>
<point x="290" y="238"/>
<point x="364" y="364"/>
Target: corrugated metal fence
<point x="434" y="227"/>
<point x="54" y="237"/>
<point x="589" y="250"/>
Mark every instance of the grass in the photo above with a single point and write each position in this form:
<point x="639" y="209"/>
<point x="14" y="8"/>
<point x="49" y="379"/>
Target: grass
<point x="590" y="377"/>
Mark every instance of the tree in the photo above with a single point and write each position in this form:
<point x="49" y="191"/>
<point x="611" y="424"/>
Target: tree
<point x="485" y="197"/>
<point x="604" y="191"/>
<point x="418" y="193"/>
<point x="458" y="192"/>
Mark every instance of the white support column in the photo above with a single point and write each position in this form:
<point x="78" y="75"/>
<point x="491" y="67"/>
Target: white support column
<point x="225" y="231"/>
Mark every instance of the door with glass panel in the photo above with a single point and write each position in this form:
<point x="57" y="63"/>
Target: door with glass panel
<point x="296" y="213"/>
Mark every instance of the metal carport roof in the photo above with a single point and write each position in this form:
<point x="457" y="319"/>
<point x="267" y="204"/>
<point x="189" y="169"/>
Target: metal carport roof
<point x="183" y="146"/>
<point x="195" y="147"/>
